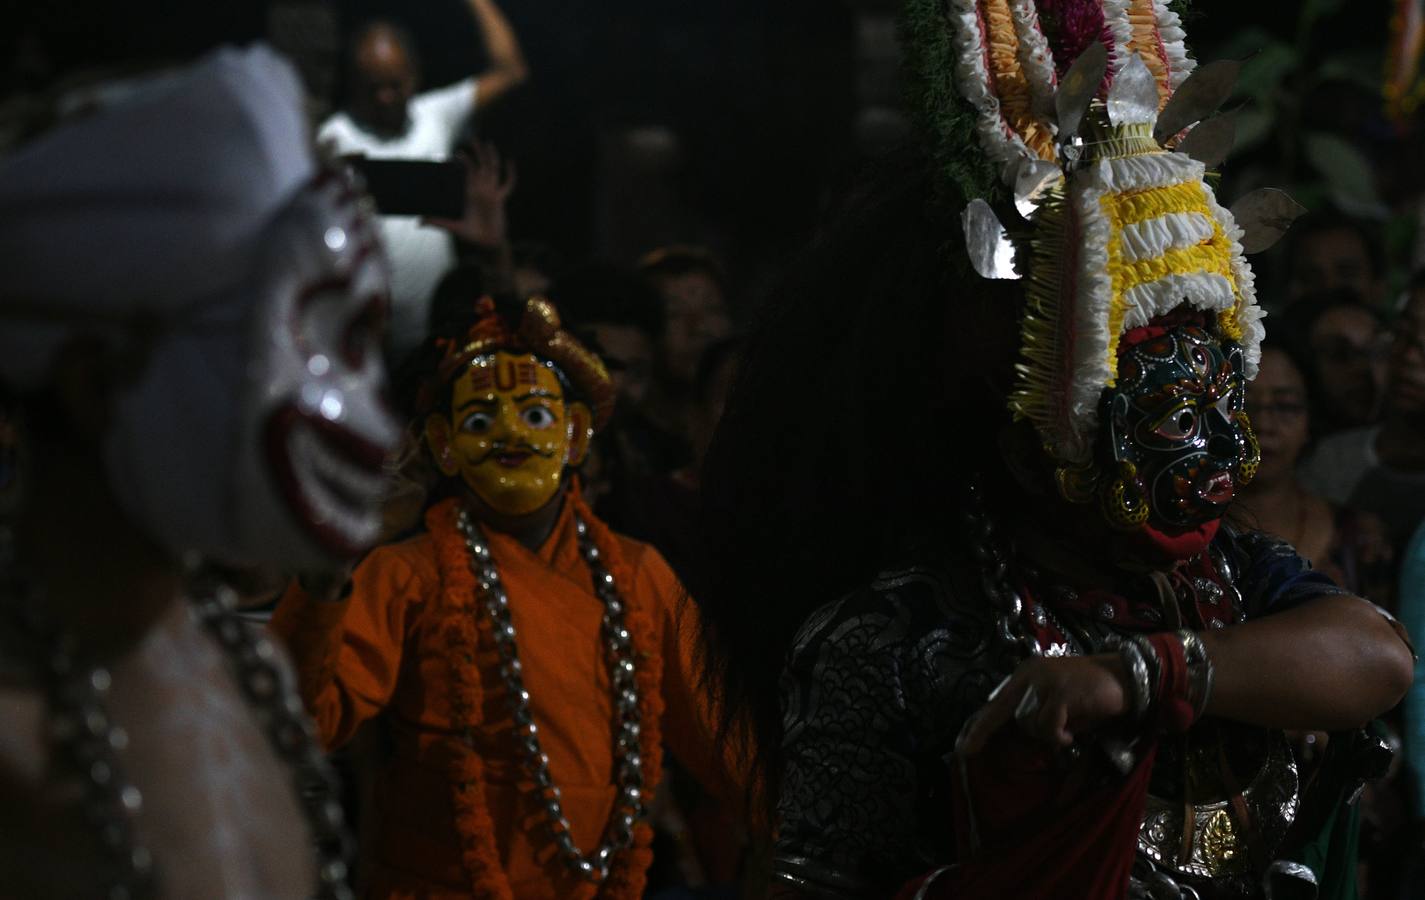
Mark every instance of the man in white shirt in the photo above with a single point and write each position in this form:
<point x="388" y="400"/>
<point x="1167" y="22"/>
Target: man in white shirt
<point x="386" y="119"/>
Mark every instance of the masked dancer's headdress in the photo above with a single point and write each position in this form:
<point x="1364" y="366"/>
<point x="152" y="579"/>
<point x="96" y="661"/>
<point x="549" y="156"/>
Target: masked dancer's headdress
<point x="538" y="331"/>
<point x="1086" y="125"/>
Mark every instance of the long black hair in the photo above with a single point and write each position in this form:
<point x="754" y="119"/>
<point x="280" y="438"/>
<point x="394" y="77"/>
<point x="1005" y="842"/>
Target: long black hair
<point x="871" y="386"/>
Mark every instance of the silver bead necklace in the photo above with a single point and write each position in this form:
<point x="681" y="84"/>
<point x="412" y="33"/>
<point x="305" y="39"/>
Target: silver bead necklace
<point x="280" y="712"/>
<point x="86" y="741"/>
<point x="618" y="646"/>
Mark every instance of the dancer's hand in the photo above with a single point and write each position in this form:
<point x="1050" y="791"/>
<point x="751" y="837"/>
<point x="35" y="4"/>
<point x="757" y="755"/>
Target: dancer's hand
<point x="1051" y="699"/>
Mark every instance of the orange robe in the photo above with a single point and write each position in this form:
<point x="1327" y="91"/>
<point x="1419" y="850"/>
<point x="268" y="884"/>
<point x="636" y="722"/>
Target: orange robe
<point x="385" y="649"/>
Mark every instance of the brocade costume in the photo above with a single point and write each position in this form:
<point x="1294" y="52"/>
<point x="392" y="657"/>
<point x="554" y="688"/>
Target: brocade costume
<point x="1066" y="136"/>
<point x="880" y="683"/>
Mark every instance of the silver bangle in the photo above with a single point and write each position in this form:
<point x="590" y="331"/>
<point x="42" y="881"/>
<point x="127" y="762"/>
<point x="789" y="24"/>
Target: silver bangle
<point x="1155" y="665"/>
<point x="1200" y="670"/>
<point x="1141" y="688"/>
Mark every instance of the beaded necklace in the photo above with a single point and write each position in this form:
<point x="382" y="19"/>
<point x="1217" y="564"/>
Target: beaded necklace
<point x="86" y="742"/>
<point x="478" y="609"/>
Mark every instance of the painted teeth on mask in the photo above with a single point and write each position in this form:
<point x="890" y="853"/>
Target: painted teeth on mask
<point x="340" y="493"/>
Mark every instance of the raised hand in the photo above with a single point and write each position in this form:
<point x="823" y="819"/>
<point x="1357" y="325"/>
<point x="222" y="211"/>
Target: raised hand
<point x="489" y="181"/>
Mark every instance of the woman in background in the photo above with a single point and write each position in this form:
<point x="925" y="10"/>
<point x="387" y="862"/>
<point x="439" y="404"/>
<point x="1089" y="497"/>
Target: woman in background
<point x="1349" y="545"/>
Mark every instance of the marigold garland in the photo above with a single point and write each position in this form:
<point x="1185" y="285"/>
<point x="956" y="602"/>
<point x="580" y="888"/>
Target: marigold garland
<point x="1007" y="75"/>
<point x="1128" y="232"/>
<point x="463" y="629"/>
<point x="1148" y="44"/>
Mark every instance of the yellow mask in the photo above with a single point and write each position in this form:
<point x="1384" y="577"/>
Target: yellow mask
<point x="509" y="433"/>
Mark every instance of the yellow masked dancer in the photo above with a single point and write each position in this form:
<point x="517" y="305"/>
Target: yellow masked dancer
<point x="528" y="664"/>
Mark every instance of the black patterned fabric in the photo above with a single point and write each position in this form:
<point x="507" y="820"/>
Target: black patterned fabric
<point x="877" y="688"/>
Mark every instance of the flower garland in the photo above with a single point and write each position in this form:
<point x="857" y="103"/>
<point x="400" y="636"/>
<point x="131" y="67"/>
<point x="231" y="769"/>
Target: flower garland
<point x="945" y="106"/>
<point x="463" y="630"/>
<point x="982" y="86"/>
<point x="1143" y="25"/>
<point x="1005" y="49"/>
<point x="1074" y="24"/>
<point x="1118" y="38"/>
<point x="1172" y="41"/>
<point x="1036" y="59"/>
<point x="1130" y="231"/>
<point x="1010" y="54"/>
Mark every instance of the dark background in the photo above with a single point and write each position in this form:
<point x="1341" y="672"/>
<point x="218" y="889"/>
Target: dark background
<point x="728" y="123"/>
<point x="651" y="121"/>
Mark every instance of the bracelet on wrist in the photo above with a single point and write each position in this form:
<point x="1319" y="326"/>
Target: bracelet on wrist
<point x="1200" y="671"/>
<point x="1184" y="679"/>
<point x="1140" y="685"/>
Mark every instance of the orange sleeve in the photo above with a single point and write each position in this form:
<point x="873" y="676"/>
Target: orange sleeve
<point x="347" y="653"/>
<point x="690" y="725"/>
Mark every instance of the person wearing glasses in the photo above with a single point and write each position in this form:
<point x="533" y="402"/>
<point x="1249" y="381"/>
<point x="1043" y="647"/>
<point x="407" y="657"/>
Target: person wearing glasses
<point x="1349" y="545"/>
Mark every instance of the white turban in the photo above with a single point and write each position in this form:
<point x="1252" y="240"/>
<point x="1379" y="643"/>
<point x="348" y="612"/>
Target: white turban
<point x="152" y="209"/>
<point x="150" y="206"/>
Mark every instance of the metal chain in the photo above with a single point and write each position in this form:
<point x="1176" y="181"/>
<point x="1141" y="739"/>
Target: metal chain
<point x="84" y="739"/>
<point x="1229" y="578"/>
<point x="282" y="715"/>
<point x="994" y="579"/>
<point x="618" y="644"/>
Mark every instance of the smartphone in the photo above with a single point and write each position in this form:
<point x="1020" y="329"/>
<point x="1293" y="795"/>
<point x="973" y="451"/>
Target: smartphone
<point x="414" y="187"/>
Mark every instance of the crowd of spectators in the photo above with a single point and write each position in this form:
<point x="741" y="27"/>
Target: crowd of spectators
<point x="1339" y="411"/>
<point x="661" y="324"/>
<point x="1339" y="406"/>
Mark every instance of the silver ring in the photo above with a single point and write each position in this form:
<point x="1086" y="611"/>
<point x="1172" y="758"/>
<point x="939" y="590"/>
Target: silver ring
<point x="999" y="688"/>
<point x="1028" y="704"/>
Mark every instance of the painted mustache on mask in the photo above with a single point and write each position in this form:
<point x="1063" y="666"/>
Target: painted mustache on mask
<point x="502" y="449"/>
